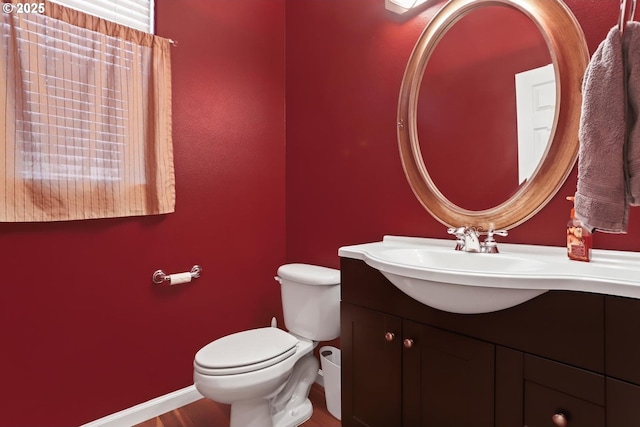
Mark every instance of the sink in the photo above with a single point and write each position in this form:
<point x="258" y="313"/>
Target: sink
<point x="440" y="278"/>
<point x="417" y="270"/>
<point x="461" y="299"/>
<point x="448" y="259"/>
<point x="433" y="273"/>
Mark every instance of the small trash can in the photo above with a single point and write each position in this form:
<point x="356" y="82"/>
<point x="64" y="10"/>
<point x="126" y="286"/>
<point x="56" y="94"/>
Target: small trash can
<point x="330" y="364"/>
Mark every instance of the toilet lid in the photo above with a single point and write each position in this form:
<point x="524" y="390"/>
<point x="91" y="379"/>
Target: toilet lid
<point x="245" y="351"/>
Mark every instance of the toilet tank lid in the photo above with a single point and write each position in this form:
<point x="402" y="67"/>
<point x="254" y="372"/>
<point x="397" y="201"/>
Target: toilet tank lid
<point x="309" y="274"/>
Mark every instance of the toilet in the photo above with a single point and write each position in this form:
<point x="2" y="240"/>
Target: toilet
<point x="265" y="374"/>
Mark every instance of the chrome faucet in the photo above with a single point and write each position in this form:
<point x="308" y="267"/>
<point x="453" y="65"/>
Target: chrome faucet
<point x="468" y="239"/>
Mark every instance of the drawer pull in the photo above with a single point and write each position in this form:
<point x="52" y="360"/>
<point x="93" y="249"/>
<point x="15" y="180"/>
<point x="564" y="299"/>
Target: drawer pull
<point x="408" y="343"/>
<point x="389" y="336"/>
<point x="560" y="419"/>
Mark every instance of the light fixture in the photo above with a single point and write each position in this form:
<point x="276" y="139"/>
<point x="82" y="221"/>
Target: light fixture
<point x="402" y="6"/>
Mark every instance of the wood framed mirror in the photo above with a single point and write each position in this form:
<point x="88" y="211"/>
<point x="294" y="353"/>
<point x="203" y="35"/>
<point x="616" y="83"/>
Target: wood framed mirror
<point x="569" y="55"/>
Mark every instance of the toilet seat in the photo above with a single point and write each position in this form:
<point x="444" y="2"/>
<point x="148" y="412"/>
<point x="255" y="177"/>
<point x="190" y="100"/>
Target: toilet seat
<point x="245" y="351"/>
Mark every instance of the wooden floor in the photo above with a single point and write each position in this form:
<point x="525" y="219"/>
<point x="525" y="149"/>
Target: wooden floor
<point x="207" y="413"/>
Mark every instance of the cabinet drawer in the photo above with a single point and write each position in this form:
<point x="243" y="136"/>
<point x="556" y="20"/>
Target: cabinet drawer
<point x="541" y="403"/>
<point x="584" y="385"/>
<point x="552" y="388"/>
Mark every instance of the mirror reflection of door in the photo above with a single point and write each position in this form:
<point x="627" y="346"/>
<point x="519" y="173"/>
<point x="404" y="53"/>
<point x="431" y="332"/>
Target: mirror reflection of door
<point x="466" y="114"/>
<point x="536" y="108"/>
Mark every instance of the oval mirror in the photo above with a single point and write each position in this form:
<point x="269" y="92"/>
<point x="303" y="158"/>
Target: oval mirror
<point x="468" y="154"/>
<point x="474" y="96"/>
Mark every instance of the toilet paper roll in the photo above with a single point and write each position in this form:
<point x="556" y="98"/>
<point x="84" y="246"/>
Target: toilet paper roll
<point x="176" y="279"/>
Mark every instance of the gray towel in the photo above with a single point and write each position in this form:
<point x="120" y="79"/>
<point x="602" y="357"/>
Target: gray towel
<point x="631" y="46"/>
<point x="601" y="197"/>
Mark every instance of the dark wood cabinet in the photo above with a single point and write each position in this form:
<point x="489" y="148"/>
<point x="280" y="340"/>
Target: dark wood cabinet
<point x="398" y="372"/>
<point x="371" y="367"/>
<point x="623" y="404"/>
<point x="537" y="392"/>
<point x="623" y="347"/>
<point x="406" y="364"/>
<point x="456" y="380"/>
<point x="546" y="407"/>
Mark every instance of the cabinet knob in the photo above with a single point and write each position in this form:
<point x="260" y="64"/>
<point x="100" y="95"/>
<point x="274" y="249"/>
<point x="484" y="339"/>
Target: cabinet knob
<point x="560" y="419"/>
<point x="408" y="343"/>
<point x="389" y="336"/>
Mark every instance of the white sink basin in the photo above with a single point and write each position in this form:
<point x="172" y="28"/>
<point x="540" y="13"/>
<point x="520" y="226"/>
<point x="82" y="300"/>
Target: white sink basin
<point x="456" y="299"/>
<point x="432" y="272"/>
<point x="448" y="259"/>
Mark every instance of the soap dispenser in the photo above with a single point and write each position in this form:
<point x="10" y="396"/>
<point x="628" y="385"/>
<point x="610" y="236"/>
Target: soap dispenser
<point x="579" y="238"/>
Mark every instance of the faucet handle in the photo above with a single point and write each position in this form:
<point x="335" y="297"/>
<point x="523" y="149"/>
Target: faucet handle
<point x="491" y="232"/>
<point x="490" y="245"/>
<point x="456" y="231"/>
<point x="459" y="232"/>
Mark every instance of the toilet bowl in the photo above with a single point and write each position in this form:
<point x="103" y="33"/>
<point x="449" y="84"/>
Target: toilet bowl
<point x="265" y="374"/>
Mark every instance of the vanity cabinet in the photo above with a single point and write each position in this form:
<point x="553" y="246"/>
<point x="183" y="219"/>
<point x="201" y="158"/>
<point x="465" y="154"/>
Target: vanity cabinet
<point x="534" y="365"/>
<point x="405" y="373"/>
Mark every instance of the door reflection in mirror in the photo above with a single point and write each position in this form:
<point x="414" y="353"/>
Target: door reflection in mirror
<point x="536" y="110"/>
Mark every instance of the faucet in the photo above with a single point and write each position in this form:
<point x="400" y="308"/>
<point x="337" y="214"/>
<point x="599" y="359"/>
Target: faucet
<point x="472" y="240"/>
<point x="468" y="239"/>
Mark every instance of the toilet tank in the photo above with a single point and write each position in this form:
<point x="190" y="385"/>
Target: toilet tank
<point x="310" y="300"/>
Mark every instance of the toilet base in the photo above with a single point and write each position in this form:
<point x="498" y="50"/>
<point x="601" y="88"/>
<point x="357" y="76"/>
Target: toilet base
<point x="290" y="407"/>
<point x="294" y="417"/>
<point x="250" y="413"/>
<point x="254" y="413"/>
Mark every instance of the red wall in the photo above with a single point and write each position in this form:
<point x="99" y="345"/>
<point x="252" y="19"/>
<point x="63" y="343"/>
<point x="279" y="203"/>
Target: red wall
<point x="84" y="331"/>
<point x="345" y="184"/>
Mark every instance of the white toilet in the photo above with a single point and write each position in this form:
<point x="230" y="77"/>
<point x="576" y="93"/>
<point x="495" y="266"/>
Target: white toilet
<point x="265" y="374"/>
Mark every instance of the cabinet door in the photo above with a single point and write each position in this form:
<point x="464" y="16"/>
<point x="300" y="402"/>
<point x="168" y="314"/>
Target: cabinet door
<point x="623" y="404"/>
<point x="456" y="375"/>
<point x="371" y="368"/>
<point x="622" y="346"/>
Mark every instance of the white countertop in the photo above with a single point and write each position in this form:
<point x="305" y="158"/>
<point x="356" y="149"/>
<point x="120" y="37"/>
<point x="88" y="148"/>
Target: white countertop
<point x="609" y="272"/>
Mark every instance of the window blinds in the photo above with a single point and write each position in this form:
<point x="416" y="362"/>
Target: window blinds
<point x="75" y="126"/>
<point x="138" y="14"/>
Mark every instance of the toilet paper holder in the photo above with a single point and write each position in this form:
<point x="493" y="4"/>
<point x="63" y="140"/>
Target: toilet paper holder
<point x="159" y="276"/>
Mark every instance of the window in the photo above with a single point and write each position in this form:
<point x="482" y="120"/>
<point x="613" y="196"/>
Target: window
<point x="87" y="119"/>
<point x="136" y="14"/>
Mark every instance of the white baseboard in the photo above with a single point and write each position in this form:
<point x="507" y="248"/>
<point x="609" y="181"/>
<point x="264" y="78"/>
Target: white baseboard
<point x="147" y="410"/>
<point x="156" y="407"/>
